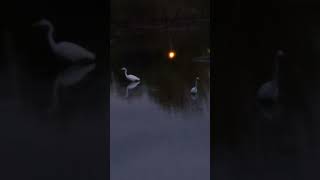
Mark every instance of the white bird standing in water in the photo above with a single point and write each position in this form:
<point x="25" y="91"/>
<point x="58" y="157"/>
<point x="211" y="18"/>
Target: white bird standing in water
<point x="270" y="89"/>
<point x="130" y="77"/>
<point x="66" y="50"/>
<point x="194" y="90"/>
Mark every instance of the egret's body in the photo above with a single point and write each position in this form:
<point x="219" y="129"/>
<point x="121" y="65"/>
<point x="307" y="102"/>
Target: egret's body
<point x="130" y="77"/>
<point x="67" y="50"/>
<point x="72" y="52"/>
<point x="194" y="90"/>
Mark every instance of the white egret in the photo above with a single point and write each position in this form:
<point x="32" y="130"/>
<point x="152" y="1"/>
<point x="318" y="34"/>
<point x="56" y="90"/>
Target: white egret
<point x="194" y="90"/>
<point x="66" y="50"/>
<point x="130" y="77"/>
<point x="270" y="89"/>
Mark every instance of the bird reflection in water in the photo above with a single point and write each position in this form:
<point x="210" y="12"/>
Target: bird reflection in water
<point x="131" y="86"/>
<point x="194" y="96"/>
<point x="68" y="78"/>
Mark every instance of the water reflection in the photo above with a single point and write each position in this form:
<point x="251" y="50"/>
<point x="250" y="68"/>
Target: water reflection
<point x="158" y="120"/>
<point x="68" y="78"/>
<point x="194" y="96"/>
<point x="131" y="86"/>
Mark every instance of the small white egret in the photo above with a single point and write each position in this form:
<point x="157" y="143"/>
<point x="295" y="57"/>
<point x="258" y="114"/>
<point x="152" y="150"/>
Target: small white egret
<point x="130" y="77"/>
<point x="194" y="90"/>
<point x="67" y="50"/>
<point x="270" y="89"/>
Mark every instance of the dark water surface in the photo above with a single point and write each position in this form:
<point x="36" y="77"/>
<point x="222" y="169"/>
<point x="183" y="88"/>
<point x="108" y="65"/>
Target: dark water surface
<point x="158" y="130"/>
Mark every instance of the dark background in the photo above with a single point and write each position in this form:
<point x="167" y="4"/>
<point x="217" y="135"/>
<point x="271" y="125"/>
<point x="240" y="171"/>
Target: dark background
<point x="245" y="37"/>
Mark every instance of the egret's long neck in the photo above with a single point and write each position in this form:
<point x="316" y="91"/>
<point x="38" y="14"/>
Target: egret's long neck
<point x="196" y="84"/>
<point x="125" y="72"/>
<point x="50" y="37"/>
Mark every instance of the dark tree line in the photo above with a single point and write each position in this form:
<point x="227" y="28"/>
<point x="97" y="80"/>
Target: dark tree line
<point x="149" y="11"/>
